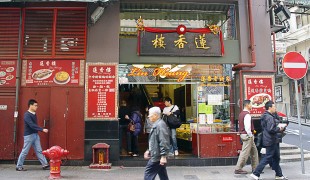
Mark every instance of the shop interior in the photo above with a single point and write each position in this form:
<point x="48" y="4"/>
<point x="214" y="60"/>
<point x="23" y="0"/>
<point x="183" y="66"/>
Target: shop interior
<point x="205" y="103"/>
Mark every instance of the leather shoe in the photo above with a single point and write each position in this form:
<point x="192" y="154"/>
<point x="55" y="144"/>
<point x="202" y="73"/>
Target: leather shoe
<point x="21" y="169"/>
<point x="47" y="167"/>
<point x="240" y="171"/>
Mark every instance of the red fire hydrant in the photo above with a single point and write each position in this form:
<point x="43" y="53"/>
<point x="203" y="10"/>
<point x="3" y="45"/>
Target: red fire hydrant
<point x="54" y="154"/>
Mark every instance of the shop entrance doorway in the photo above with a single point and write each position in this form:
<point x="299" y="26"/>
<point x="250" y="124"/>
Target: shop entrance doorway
<point x="143" y="94"/>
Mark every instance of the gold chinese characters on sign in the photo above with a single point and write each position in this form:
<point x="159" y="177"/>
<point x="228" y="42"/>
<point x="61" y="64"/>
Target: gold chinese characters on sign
<point x="200" y="42"/>
<point x="215" y="79"/>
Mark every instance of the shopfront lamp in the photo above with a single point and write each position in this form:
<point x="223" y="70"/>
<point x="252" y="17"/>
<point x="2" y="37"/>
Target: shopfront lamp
<point x="282" y="12"/>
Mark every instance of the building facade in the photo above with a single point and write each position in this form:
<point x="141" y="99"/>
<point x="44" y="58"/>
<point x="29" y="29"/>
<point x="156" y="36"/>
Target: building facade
<point x="44" y="39"/>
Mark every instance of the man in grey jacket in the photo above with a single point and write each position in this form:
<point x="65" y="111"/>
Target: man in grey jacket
<point x="159" y="145"/>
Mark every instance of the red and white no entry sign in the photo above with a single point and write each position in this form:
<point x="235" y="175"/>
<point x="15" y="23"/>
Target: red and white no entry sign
<point x="294" y="65"/>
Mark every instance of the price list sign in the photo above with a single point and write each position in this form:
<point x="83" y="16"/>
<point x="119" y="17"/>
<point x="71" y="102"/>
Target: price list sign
<point x="259" y="90"/>
<point x="101" y="91"/>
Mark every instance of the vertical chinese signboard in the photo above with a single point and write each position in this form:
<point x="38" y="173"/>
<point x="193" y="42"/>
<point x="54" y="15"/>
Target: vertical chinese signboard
<point x="53" y="72"/>
<point x="7" y="73"/>
<point x="101" y="91"/>
<point x="259" y="89"/>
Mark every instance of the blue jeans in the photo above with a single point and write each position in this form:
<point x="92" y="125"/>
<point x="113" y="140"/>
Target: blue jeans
<point x="273" y="156"/>
<point x="174" y="144"/>
<point x="34" y="141"/>
<point x="154" y="168"/>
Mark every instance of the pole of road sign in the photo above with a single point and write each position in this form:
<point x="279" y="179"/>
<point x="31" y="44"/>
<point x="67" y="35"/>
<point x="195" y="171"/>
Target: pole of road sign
<point x="300" y="129"/>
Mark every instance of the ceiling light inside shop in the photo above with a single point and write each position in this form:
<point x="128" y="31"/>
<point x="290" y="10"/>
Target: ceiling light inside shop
<point x="138" y="66"/>
<point x="181" y="65"/>
<point x="167" y="66"/>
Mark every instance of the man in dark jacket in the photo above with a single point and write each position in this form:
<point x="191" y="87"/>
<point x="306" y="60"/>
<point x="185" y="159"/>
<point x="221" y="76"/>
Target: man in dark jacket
<point x="31" y="137"/>
<point x="270" y="141"/>
<point x="159" y="145"/>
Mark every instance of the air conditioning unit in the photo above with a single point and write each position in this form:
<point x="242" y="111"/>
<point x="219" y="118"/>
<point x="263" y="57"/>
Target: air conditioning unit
<point x="275" y="23"/>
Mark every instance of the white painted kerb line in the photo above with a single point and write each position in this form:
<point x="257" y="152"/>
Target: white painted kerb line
<point x="295" y="65"/>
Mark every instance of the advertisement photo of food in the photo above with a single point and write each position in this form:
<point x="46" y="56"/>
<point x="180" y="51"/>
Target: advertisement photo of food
<point x="42" y="74"/>
<point x="10" y="69"/>
<point x="62" y="77"/>
<point x="2" y="82"/>
<point x="9" y="77"/>
<point x="2" y="73"/>
<point x="259" y="100"/>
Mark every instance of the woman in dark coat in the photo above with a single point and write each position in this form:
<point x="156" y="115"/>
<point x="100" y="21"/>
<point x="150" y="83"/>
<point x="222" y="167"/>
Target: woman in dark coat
<point x="132" y="142"/>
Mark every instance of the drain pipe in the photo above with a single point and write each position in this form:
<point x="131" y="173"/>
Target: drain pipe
<point x="260" y="71"/>
<point x="253" y="54"/>
<point x="17" y="81"/>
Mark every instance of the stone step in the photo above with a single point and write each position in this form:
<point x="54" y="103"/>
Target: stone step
<point x="294" y="158"/>
<point x="287" y="146"/>
<point x="292" y="151"/>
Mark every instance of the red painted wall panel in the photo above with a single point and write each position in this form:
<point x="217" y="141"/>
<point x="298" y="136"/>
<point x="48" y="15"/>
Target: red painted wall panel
<point x="7" y="128"/>
<point x="67" y="120"/>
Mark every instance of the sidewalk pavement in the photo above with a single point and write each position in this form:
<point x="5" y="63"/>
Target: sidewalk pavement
<point x="292" y="170"/>
<point x="305" y="122"/>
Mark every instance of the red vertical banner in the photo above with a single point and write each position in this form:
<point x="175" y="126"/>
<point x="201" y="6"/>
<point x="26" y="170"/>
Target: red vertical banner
<point x="8" y="73"/>
<point x="259" y="90"/>
<point x="101" y="91"/>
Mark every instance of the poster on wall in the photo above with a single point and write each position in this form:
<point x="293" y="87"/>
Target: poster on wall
<point x="101" y="91"/>
<point x="8" y="73"/>
<point x="53" y="73"/>
<point x="259" y="89"/>
<point x="278" y="93"/>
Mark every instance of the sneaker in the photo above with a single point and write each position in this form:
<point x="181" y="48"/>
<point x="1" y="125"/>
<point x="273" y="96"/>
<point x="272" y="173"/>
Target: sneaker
<point x="170" y="154"/>
<point x="176" y="152"/>
<point x="240" y="171"/>
<point x="281" y="177"/>
<point x="135" y="155"/>
<point x="21" y="169"/>
<point x="47" y="167"/>
<point x="255" y="177"/>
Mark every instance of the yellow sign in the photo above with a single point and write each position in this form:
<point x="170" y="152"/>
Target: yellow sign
<point x="159" y="42"/>
<point x="160" y="72"/>
<point x="180" y="42"/>
<point x="201" y="42"/>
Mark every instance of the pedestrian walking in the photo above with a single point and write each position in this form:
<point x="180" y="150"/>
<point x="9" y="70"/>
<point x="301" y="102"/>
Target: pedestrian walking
<point x="159" y="142"/>
<point x="246" y="129"/>
<point x="132" y="135"/>
<point x="172" y="109"/>
<point x="270" y="142"/>
<point x="31" y="137"/>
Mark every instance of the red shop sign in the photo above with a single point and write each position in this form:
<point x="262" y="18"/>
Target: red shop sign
<point x="7" y="73"/>
<point x="259" y="89"/>
<point x="53" y="72"/>
<point x="227" y="139"/>
<point x="101" y="91"/>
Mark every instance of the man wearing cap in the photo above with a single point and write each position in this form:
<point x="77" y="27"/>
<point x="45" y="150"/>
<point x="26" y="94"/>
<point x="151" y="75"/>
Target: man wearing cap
<point x="159" y="145"/>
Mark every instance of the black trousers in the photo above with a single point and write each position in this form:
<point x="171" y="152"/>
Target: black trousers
<point x="154" y="168"/>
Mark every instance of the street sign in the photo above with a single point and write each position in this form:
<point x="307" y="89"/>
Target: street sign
<point x="294" y="65"/>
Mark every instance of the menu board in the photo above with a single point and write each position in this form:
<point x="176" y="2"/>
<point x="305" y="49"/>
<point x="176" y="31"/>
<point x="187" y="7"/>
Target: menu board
<point x="101" y="91"/>
<point x="259" y="90"/>
<point x="8" y="73"/>
<point x="53" y="73"/>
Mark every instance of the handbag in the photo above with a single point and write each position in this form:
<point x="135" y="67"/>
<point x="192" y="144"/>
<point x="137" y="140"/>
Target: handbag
<point x="131" y="127"/>
<point x="173" y="121"/>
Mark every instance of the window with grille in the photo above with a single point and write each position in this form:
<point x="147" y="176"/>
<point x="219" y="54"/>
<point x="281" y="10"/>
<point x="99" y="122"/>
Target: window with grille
<point x="9" y="31"/>
<point x="54" y="33"/>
